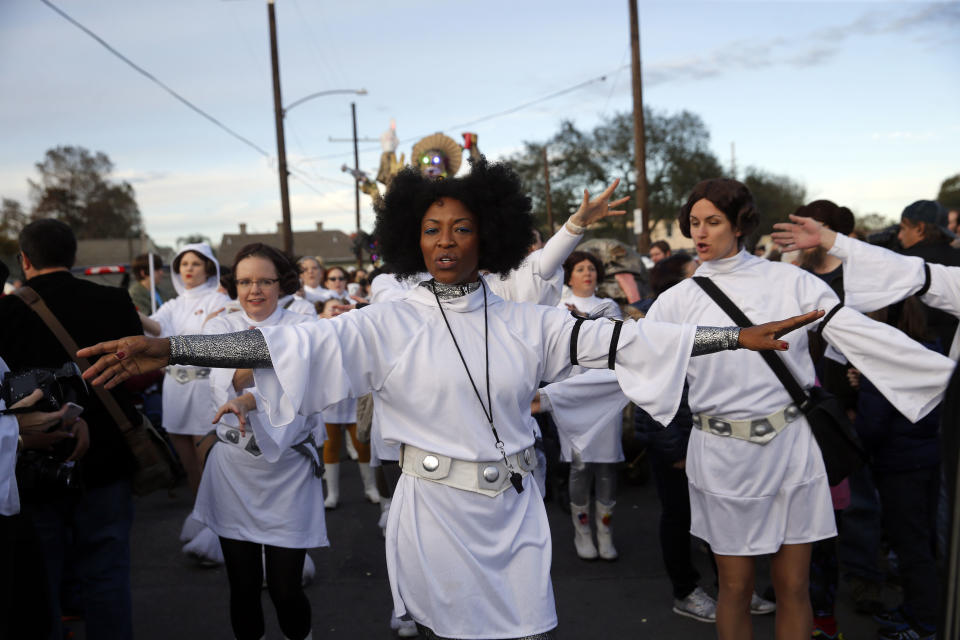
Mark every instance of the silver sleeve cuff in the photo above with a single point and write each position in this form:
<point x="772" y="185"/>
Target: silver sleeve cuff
<point x="714" y="339"/>
<point x="241" y="350"/>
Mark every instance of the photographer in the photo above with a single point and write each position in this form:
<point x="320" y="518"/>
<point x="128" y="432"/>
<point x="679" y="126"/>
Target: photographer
<point x="96" y="520"/>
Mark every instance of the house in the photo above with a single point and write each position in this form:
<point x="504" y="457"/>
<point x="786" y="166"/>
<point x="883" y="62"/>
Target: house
<point x="332" y="246"/>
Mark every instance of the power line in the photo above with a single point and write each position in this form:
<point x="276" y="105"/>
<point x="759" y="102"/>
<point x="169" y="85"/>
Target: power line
<point x="155" y="80"/>
<point x="491" y="116"/>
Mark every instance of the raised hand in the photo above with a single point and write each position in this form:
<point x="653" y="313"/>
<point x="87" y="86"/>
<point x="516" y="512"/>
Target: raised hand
<point x="123" y="358"/>
<point x="802" y="233"/>
<point x="239" y="407"/>
<point x="591" y="211"/>
<point x="764" y="337"/>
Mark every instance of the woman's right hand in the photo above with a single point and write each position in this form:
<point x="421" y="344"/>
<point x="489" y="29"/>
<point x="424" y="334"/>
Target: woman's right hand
<point x="240" y="407"/>
<point x="123" y="358"/>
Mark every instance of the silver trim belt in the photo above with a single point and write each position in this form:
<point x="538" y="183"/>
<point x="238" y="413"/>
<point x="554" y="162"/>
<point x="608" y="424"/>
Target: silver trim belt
<point x="183" y="375"/>
<point x="307" y="447"/>
<point x="756" y="430"/>
<point x="489" y="478"/>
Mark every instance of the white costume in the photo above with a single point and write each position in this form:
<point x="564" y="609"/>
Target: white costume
<point x="317" y="294"/>
<point x="748" y="499"/>
<point x="270" y="498"/>
<point x="186" y="404"/>
<point x="9" y="431"/>
<point x="465" y="564"/>
<point x="539" y="279"/>
<point x="874" y="277"/>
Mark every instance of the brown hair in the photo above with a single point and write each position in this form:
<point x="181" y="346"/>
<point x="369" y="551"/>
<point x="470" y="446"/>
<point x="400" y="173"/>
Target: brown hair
<point x="286" y="270"/>
<point x="576" y="258"/>
<point x="141" y="265"/>
<point x="729" y="196"/>
<point x="209" y="265"/>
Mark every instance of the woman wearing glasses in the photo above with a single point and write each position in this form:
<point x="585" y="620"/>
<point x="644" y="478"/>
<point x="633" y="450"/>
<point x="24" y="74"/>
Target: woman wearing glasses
<point x="262" y="498"/>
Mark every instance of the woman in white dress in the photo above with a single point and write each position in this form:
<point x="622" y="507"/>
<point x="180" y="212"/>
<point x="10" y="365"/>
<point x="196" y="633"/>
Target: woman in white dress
<point x="311" y="279"/>
<point x="593" y="458"/>
<point x="195" y="273"/>
<point x="756" y="477"/>
<point x="455" y="368"/>
<point x="262" y="498"/>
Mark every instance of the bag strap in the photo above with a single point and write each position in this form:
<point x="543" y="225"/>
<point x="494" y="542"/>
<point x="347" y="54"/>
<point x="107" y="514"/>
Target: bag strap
<point x="775" y="362"/>
<point x="33" y="300"/>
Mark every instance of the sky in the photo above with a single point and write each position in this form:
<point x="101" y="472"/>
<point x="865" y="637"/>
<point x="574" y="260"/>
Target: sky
<point x="856" y="101"/>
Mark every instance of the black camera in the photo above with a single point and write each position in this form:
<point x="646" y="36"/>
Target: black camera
<point x="59" y="386"/>
<point x="40" y="472"/>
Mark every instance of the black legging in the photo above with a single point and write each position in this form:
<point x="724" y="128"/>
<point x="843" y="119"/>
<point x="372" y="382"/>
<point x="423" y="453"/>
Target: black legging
<point x="284" y="575"/>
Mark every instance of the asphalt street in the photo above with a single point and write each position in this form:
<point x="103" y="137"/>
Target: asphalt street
<point x="174" y="598"/>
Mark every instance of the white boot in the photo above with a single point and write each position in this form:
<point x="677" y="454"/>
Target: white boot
<point x="369" y="484"/>
<point x="384" y="514"/>
<point x="605" y="531"/>
<point x="582" y="537"/>
<point x="332" y="476"/>
<point x="351" y="450"/>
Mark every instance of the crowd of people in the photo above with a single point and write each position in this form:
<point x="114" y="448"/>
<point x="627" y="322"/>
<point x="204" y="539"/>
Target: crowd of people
<point x="443" y="373"/>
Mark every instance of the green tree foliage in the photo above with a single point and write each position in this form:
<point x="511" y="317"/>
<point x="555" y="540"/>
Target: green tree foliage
<point x="74" y="186"/>
<point x="949" y="195"/>
<point x="12" y="219"/>
<point x="678" y="156"/>
<point x="776" y="197"/>
<point x="870" y="222"/>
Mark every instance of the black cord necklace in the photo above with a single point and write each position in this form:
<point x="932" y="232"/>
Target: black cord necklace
<point x="515" y="478"/>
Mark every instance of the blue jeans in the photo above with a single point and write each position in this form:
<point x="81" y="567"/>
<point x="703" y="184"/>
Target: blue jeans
<point x="95" y="526"/>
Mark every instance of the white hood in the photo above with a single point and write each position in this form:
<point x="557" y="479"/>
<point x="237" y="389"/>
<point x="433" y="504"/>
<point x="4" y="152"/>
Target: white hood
<point x="212" y="282"/>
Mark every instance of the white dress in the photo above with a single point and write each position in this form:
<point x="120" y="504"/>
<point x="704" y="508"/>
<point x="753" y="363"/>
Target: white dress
<point x="584" y="425"/>
<point x="748" y="499"/>
<point x="273" y="498"/>
<point x="464" y="564"/>
<point x="186" y="405"/>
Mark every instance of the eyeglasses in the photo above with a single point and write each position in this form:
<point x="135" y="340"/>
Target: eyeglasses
<point x="263" y="283"/>
<point x="336" y="278"/>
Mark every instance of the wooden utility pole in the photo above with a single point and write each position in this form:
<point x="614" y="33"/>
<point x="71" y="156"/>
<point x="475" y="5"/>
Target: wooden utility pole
<point x="356" y="183"/>
<point x="281" y="145"/>
<point x="546" y="178"/>
<point x="639" y="144"/>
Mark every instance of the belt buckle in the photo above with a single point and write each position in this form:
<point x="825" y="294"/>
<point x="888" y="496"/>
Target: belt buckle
<point x="719" y="427"/>
<point x="181" y="375"/>
<point x="761" y="430"/>
<point x="491" y="475"/>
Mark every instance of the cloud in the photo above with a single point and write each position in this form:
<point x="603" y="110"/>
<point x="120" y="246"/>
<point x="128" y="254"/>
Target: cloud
<point x="812" y="49"/>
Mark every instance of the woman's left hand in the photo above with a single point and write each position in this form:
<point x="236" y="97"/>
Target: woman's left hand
<point x="591" y="211"/>
<point x="763" y="337"/>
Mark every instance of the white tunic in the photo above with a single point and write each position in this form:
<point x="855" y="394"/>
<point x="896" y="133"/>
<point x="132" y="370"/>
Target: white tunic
<point x="593" y="428"/>
<point x="273" y="498"/>
<point x="9" y="430"/>
<point x="748" y="499"/>
<point x="462" y="563"/>
<point x="186" y="406"/>
<point x="874" y="277"/>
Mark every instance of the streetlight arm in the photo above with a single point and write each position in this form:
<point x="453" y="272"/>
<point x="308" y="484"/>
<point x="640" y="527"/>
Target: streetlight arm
<point x="359" y="92"/>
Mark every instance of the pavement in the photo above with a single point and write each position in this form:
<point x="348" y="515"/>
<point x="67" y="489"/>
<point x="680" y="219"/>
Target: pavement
<point x="174" y="598"/>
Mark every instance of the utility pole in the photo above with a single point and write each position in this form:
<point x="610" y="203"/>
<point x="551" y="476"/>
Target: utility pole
<point x="546" y="177"/>
<point x="733" y="160"/>
<point x="356" y="184"/>
<point x="281" y="145"/>
<point x="639" y="144"/>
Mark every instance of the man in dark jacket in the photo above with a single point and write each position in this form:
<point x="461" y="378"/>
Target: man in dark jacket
<point x="94" y="522"/>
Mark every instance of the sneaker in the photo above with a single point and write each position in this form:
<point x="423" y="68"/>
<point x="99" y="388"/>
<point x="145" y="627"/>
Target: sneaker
<point x="761" y="607"/>
<point x="820" y="634"/>
<point x="698" y="605"/>
<point x="906" y="632"/>
<point x="891" y="618"/>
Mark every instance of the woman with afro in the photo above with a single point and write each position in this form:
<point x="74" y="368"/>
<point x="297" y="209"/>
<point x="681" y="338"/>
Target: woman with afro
<point x="455" y="368"/>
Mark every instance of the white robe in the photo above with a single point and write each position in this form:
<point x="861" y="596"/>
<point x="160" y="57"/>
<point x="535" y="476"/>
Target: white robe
<point x="874" y="277"/>
<point x="9" y="430"/>
<point x="462" y="563"/>
<point x="186" y="406"/>
<point x="270" y="499"/>
<point x="584" y="422"/>
<point x="748" y="499"/>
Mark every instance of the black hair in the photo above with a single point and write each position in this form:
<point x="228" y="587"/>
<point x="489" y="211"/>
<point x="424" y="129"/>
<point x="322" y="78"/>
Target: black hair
<point x="729" y="196"/>
<point x="209" y="265"/>
<point x="491" y="192"/>
<point x="576" y="258"/>
<point x="837" y="218"/>
<point x="286" y="269"/>
<point x="48" y="243"/>
<point x="141" y="265"/>
<point x="668" y="272"/>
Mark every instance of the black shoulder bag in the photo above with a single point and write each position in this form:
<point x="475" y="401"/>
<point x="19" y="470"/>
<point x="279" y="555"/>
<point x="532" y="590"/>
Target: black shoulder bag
<point x="842" y="452"/>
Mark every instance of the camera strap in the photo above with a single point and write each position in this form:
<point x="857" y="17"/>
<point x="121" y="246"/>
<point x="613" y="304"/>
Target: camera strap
<point x="33" y="300"/>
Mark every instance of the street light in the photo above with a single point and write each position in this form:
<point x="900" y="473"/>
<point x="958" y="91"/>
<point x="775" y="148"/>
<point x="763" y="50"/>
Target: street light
<point x="279" y="113"/>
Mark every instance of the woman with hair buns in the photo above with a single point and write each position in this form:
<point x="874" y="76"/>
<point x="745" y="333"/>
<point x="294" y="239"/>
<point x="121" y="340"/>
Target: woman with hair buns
<point x="757" y="480"/>
<point x="455" y="368"/>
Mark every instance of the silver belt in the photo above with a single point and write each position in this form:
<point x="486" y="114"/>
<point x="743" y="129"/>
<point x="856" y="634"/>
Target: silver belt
<point x="248" y="444"/>
<point x="757" y="430"/>
<point x="183" y="375"/>
<point x="489" y="478"/>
